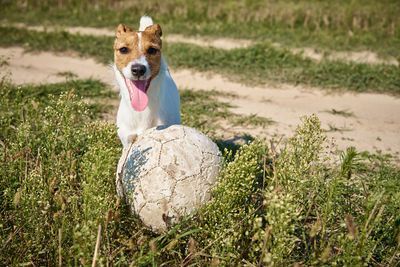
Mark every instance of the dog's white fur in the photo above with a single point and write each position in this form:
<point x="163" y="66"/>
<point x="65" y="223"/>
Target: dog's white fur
<point x="163" y="105"/>
<point x="145" y="21"/>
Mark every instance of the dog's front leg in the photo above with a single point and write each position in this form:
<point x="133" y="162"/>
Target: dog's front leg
<point x="127" y="137"/>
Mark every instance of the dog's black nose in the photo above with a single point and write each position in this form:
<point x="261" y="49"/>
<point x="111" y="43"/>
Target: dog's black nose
<point x="138" y="70"/>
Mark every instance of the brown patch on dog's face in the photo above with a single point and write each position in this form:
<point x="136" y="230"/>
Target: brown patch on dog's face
<point x="151" y="45"/>
<point x="132" y="45"/>
<point x="126" y="39"/>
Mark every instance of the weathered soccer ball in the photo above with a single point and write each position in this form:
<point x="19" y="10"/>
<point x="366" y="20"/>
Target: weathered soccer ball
<point x="167" y="173"/>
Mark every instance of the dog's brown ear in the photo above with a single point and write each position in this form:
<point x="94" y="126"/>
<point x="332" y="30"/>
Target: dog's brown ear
<point x="155" y="29"/>
<point x="122" y="29"/>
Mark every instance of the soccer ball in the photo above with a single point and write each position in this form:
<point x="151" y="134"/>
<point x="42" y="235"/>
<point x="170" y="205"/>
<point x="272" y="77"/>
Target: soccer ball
<point x="167" y="173"/>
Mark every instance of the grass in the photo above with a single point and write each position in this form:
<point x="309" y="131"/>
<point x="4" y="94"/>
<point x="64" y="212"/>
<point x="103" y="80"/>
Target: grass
<point x="256" y="64"/>
<point x="344" y="113"/>
<point x="334" y="128"/>
<point x="97" y="47"/>
<point x="198" y="106"/>
<point x="251" y="119"/>
<point x="35" y="96"/>
<point x="336" y="25"/>
<point x="268" y="207"/>
<point x="67" y="74"/>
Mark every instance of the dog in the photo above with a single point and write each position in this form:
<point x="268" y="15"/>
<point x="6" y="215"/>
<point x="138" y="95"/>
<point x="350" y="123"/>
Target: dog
<point x="149" y="96"/>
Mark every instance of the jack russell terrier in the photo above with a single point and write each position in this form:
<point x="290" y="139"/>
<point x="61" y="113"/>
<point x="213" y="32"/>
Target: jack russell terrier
<point x="149" y="96"/>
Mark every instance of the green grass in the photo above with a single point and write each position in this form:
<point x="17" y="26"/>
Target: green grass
<point x="251" y="119"/>
<point x="36" y="96"/>
<point x="97" y="47"/>
<point x="337" y="25"/>
<point x="343" y="113"/>
<point x="197" y="107"/>
<point x="256" y="64"/>
<point x="334" y="128"/>
<point x="296" y="206"/>
<point x="67" y="74"/>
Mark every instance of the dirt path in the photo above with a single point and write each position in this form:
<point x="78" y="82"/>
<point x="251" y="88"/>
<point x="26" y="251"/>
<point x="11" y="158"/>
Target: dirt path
<point x="375" y="123"/>
<point x="45" y="67"/>
<point x="368" y="57"/>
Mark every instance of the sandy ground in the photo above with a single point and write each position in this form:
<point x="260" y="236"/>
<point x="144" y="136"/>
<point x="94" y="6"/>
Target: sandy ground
<point x="368" y="57"/>
<point x="375" y="124"/>
<point x="47" y="67"/>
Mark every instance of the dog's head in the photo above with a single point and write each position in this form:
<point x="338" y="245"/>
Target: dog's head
<point x="137" y="56"/>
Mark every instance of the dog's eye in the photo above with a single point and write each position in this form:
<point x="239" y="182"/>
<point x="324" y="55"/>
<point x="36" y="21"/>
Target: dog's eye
<point x="151" y="51"/>
<point x="123" y="50"/>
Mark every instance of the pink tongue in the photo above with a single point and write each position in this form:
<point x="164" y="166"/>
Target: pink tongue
<point x="137" y="92"/>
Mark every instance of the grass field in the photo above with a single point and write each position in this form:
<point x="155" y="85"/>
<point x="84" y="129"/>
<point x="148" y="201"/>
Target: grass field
<point x="292" y="206"/>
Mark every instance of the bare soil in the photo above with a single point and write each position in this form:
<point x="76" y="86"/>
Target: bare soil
<point x="48" y="67"/>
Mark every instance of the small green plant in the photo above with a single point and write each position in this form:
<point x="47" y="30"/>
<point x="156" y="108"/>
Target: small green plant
<point x="343" y="113"/>
<point x="252" y="119"/>
<point x="333" y="128"/>
<point x="67" y="74"/>
<point x="228" y="217"/>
